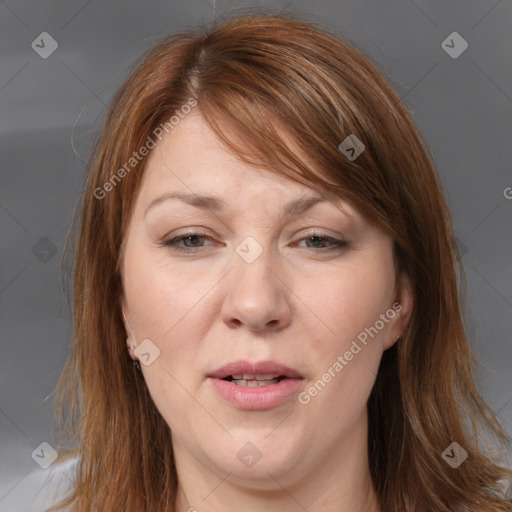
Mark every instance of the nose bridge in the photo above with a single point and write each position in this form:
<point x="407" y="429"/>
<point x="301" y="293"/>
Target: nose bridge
<point x="257" y="260"/>
<point x="256" y="296"/>
<point x="253" y="267"/>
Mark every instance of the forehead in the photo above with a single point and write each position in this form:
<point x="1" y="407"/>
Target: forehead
<point x="192" y="160"/>
<point x="193" y="153"/>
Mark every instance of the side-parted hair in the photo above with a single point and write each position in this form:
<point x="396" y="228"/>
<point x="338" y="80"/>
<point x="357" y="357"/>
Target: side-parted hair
<point x="255" y="78"/>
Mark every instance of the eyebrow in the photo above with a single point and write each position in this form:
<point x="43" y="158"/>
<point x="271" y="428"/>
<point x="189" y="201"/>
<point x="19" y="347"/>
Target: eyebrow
<point x="215" y="204"/>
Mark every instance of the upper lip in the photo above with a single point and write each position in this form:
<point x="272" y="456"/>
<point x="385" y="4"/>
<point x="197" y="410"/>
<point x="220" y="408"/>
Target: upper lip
<point x="255" y="368"/>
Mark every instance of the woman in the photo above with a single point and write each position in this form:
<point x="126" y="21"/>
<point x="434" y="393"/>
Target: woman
<point x="263" y="234"/>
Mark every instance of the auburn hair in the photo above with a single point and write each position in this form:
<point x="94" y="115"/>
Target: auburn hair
<point x="266" y="76"/>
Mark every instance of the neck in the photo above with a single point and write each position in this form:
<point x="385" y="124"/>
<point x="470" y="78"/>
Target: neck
<point x="340" y="482"/>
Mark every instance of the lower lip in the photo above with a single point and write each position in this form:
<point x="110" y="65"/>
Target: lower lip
<point x="257" y="398"/>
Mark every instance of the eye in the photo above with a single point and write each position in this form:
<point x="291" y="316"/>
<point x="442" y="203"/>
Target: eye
<point x="323" y="243"/>
<point x="187" y="242"/>
<point x="193" y="241"/>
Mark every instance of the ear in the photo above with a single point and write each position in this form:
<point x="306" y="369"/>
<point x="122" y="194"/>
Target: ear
<point x="130" y="335"/>
<point x="403" y="305"/>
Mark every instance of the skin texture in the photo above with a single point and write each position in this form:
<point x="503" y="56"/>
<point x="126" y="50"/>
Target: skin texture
<point x="301" y="302"/>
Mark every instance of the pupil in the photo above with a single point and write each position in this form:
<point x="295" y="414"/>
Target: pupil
<point x="192" y="239"/>
<point x="312" y="239"/>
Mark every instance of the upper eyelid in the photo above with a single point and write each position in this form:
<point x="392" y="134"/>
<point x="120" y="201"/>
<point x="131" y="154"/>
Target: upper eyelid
<point x="204" y="233"/>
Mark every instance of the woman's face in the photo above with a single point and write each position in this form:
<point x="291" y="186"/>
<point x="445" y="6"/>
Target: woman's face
<point x="251" y="286"/>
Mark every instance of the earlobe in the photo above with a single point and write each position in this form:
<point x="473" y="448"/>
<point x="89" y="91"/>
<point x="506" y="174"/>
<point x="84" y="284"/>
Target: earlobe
<point x="130" y="338"/>
<point x="403" y="305"/>
<point x="406" y="299"/>
<point x="127" y="327"/>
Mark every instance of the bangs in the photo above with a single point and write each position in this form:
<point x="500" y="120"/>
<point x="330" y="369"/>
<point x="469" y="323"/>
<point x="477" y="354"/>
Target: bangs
<point x="262" y="138"/>
<point x="287" y="109"/>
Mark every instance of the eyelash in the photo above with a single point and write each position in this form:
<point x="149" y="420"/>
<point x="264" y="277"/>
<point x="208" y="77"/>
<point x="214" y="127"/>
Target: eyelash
<point x="172" y="242"/>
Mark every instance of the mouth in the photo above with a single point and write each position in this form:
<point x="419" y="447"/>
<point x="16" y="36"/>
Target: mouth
<point x="255" y="386"/>
<point x="249" y="380"/>
<point x="254" y="374"/>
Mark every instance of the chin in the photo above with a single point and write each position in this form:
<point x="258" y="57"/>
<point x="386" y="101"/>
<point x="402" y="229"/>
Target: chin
<point x="250" y="459"/>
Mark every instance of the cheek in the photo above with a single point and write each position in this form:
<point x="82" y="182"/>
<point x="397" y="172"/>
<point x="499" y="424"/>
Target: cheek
<point x="347" y="301"/>
<point x="161" y="304"/>
<point x="168" y="306"/>
<point x="348" y="352"/>
<point x="161" y="298"/>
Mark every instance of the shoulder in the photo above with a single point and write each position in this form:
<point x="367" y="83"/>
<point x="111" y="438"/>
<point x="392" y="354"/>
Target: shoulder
<point x="42" y="488"/>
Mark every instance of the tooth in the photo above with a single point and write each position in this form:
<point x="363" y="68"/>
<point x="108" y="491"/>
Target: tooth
<point x="267" y="382"/>
<point x="252" y="383"/>
<point x="237" y="376"/>
<point x="253" y="376"/>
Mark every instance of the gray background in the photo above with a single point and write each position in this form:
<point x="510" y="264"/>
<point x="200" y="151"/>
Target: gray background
<point x="463" y="105"/>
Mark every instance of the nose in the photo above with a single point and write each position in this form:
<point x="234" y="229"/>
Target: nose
<point x="258" y="297"/>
